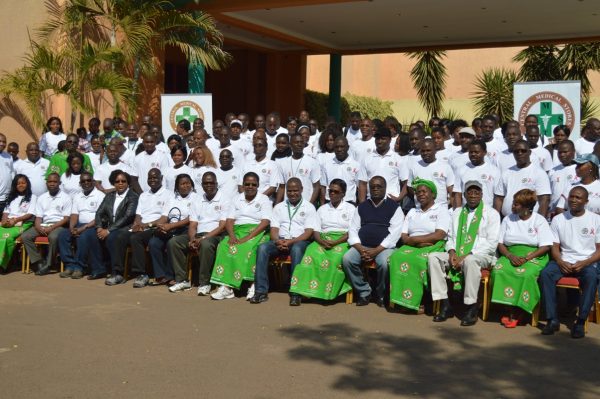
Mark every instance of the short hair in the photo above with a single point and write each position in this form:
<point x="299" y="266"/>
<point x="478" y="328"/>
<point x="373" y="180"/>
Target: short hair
<point x="526" y="198"/>
<point x="53" y="174"/>
<point x="283" y="135"/>
<point x="113" y="176"/>
<point x="186" y="124"/>
<point x="379" y="178"/>
<point x="355" y="114"/>
<point x="179" y="147"/>
<point x="294" y="180"/>
<point x="455" y="124"/>
<point x="175" y="137"/>
<point x="209" y="173"/>
<point x="489" y="118"/>
<point x="564" y="128"/>
<point x="251" y="174"/>
<point x="569" y="143"/>
<point x="341" y="183"/>
<point x="480" y="143"/>
<point x="521" y="141"/>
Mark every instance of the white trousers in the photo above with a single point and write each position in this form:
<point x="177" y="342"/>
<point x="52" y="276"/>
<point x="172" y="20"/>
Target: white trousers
<point x="471" y="268"/>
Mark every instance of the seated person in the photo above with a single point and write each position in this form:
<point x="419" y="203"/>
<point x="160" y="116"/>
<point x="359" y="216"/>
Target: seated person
<point x="525" y="240"/>
<point x="292" y="225"/>
<point x="83" y="219"/>
<point x="51" y="215"/>
<point x="575" y="252"/>
<point x="374" y="231"/>
<point x="424" y="231"/>
<point x="17" y="216"/>
<point x="472" y="242"/>
<point x="205" y="231"/>
<point x="113" y="219"/>
<point x="247" y="221"/>
<point x="147" y="214"/>
<point x="320" y="273"/>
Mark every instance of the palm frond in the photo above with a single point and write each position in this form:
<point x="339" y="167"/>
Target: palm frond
<point x="494" y="93"/>
<point x="429" y="79"/>
<point x="539" y="63"/>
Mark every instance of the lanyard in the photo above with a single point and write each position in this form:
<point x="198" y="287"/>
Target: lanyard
<point x="292" y="166"/>
<point x="291" y="215"/>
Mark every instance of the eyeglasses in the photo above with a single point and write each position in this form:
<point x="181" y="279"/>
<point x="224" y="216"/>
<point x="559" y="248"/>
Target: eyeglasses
<point x="250" y="185"/>
<point x="120" y="181"/>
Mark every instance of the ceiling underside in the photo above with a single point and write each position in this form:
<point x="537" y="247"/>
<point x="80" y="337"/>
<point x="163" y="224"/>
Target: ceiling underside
<point x="379" y="26"/>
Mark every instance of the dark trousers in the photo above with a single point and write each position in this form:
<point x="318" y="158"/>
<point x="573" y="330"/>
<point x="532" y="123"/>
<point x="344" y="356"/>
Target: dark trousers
<point x="178" y="249"/>
<point x="588" y="281"/>
<point x="266" y="252"/>
<point x="88" y="249"/>
<point x="138" y="242"/>
<point x="116" y="245"/>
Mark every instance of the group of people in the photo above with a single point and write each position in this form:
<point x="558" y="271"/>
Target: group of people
<point x="428" y="209"/>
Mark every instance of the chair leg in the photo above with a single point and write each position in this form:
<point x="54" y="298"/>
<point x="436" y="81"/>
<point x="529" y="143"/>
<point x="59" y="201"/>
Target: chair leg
<point x="349" y="297"/>
<point x="486" y="300"/>
<point x="23" y="259"/>
<point x="189" y="267"/>
<point x="535" y="315"/>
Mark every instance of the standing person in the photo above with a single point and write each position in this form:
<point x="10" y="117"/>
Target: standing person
<point x="325" y="144"/>
<point x="239" y="143"/>
<point x="113" y="220"/>
<point x="149" y="159"/>
<point x="432" y="169"/>
<point x="248" y="217"/>
<point x="319" y="274"/>
<point x="17" y="217"/>
<point x="54" y="135"/>
<point x="108" y="131"/>
<point x="96" y="153"/>
<point x="365" y="145"/>
<point x="478" y="168"/>
<point x="589" y="136"/>
<point x="575" y="252"/>
<point x="353" y="131"/>
<point x="282" y="147"/>
<point x="102" y="175"/>
<point x="471" y="246"/>
<point x="343" y="167"/>
<point x="532" y="135"/>
<point x="561" y="133"/>
<point x="58" y="162"/>
<point x="374" y="231"/>
<point x="264" y="167"/>
<point x="207" y="226"/>
<point x="292" y="224"/>
<point x="459" y="159"/>
<point x="82" y="219"/>
<point x="494" y="146"/>
<point x="6" y="173"/>
<point x="301" y="166"/>
<point x="587" y="172"/>
<point x="34" y="167"/>
<point x="228" y="175"/>
<point x="202" y="162"/>
<point x="179" y="156"/>
<point x="147" y="215"/>
<point x="525" y="240"/>
<point x="524" y="174"/>
<point x="13" y="150"/>
<point x="439" y="139"/>
<point x="225" y="144"/>
<point x="51" y="215"/>
<point x="70" y="181"/>
<point x="564" y="175"/>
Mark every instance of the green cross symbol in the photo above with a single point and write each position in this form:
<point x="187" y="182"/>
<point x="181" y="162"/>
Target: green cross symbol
<point x="185" y="115"/>
<point x="548" y="119"/>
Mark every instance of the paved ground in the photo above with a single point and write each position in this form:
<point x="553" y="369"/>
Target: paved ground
<point x="81" y="339"/>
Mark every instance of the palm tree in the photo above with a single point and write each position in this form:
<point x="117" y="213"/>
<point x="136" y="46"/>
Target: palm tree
<point x="429" y="79"/>
<point x="494" y="94"/>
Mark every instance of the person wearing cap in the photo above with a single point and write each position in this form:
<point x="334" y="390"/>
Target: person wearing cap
<point x="564" y="175"/>
<point x="374" y="231"/>
<point x="459" y="159"/>
<point x="238" y="142"/>
<point x="576" y="253"/>
<point x="480" y="169"/>
<point x="432" y="169"/>
<point x="587" y="171"/>
<point x="525" y="174"/>
<point x="424" y="231"/>
<point x="525" y="240"/>
<point x="471" y="246"/>
<point x="384" y="162"/>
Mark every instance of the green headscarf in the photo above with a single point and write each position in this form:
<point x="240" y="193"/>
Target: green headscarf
<point x="427" y="183"/>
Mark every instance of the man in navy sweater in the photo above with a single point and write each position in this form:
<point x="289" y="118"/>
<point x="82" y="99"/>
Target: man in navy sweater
<point x="374" y="231"/>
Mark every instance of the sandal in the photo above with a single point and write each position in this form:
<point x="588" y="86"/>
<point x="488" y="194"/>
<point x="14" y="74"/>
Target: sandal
<point x="158" y="281"/>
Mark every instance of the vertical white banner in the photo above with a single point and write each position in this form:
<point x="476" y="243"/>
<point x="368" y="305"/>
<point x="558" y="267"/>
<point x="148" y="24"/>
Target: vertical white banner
<point x="176" y="107"/>
<point x="554" y="103"/>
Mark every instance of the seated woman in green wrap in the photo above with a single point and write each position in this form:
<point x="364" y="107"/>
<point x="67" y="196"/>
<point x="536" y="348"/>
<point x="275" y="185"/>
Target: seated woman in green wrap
<point x="424" y="231"/>
<point x="525" y="240"/>
<point x="246" y="224"/>
<point x="17" y="216"/>
<point x="320" y="274"/>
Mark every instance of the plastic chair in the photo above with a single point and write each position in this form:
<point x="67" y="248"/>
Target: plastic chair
<point x="39" y="241"/>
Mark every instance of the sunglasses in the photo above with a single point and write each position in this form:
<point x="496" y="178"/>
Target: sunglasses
<point x="120" y="181"/>
<point x="250" y="185"/>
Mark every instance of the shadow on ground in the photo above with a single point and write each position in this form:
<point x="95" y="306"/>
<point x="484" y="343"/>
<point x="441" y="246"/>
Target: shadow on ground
<point x="455" y="364"/>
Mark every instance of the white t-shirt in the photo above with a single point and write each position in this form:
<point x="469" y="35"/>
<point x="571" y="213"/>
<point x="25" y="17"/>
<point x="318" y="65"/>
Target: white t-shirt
<point x="577" y="236"/>
<point x="250" y="212"/>
<point x="228" y="181"/>
<point x="593" y="190"/>
<point x="419" y="223"/>
<point x="104" y="170"/>
<point x="458" y="160"/>
<point x="583" y="146"/>
<point x="494" y="147"/>
<point x="17" y="209"/>
<point x="306" y="169"/>
<point x="443" y="155"/>
<point x="238" y="155"/>
<point x="561" y="178"/>
<point x="70" y="184"/>
<point x="197" y="173"/>
<point x="544" y="157"/>
<point x="179" y="208"/>
<point x="49" y="142"/>
<point x="391" y="166"/>
<point x="266" y="170"/>
<point x="6" y="174"/>
<point x="438" y="172"/>
<point x="353" y="135"/>
<point x="53" y="209"/>
<point x="534" y="231"/>
<point x="506" y="160"/>
<point x="244" y="147"/>
<point x="170" y="175"/>
<point x="516" y="179"/>
<point x="360" y="149"/>
<point x="86" y="205"/>
<point x="293" y="220"/>
<point x="486" y="173"/>
<point x="208" y="213"/>
<point x="36" y="172"/>
<point x="335" y="219"/>
<point x="128" y="157"/>
<point x="95" y="159"/>
<point x="347" y="170"/>
<point x="144" y="162"/>
<point x="150" y="205"/>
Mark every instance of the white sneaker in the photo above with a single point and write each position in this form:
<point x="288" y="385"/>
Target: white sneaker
<point x="182" y="286"/>
<point x="223" y="292"/>
<point x="204" y="290"/>
<point x="250" y="293"/>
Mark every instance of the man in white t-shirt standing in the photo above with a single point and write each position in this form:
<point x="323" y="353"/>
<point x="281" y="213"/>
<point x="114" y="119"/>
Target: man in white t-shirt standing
<point x="476" y="169"/>
<point x="429" y="168"/>
<point x="589" y="136"/>
<point x="303" y="167"/>
<point x="341" y="166"/>
<point x="353" y="132"/>
<point x="575" y="252"/>
<point x="532" y="135"/>
<point x="364" y="146"/>
<point x="149" y="159"/>
<point x="34" y="167"/>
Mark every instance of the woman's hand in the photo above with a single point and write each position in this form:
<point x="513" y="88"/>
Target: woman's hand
<point x="516" y="260"/>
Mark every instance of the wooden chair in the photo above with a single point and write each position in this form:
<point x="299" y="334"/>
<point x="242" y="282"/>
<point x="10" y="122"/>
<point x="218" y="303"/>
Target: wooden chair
<point x="40" y="241"/>
<point x="486" y="299"/>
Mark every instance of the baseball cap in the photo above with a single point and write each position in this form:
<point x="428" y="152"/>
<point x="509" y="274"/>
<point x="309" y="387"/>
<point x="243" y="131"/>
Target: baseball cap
<point x="473" y="183"/>
<point x="236" y="121"/>
<point x="467" y="130"/>
<point x="587" y="158"/>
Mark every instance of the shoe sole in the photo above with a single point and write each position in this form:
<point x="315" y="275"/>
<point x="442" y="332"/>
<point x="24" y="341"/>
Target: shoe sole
<point x="225" y="297"/>
<point x="181" y="290"/>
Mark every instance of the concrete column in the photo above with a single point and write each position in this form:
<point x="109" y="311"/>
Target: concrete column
<point x="335" y="86"/>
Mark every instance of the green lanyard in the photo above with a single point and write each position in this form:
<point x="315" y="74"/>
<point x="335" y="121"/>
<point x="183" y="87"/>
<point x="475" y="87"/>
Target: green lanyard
<point x="291" y="215"/>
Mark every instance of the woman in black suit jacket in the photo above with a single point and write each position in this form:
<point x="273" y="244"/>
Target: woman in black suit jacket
<point x="113" y="218"/>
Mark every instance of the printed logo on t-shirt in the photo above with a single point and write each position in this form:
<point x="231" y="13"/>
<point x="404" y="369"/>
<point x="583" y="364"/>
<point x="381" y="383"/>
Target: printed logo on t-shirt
<point x="92" y="204"/>
<point x="532" y="231"/>
<point x="526" y="180"/>
<point x="217" y="208"/>
<point x="433" y="217"/>
<point x="302" y="214"/>
<point x="154" y="165"/>
<point x="344" y="216"/>
<point x="585" y="231"/>
<point x="43" y="167"/>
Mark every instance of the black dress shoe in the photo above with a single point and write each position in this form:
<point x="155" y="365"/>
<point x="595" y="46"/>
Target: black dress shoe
<point x="363" y="300"/>
<point x="42" y="271"/>
<point x="551" y="327"/>
<point x="96" y="276"/>
<point x="470" y="318"/>
<point x="445" y="312"/>
<point x="259" y="298"/>
<point x="380" y="302"/>
<point x="578" y="330"/>
<point x="295" y="300"/>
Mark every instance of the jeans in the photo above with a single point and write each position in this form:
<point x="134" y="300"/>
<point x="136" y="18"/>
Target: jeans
<point x="268" y="250"/>
<point x="87" y="251"/>
<point x="352" y="263"/>
<point x="588" y="282"/>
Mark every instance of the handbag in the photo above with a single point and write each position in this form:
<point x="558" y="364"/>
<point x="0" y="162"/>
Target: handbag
<point x="174" y="216"/>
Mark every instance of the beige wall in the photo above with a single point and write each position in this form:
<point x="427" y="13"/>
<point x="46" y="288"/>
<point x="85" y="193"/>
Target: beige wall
<point x="387" y="76"/>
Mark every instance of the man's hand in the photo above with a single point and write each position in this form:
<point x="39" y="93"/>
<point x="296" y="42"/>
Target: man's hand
<point x="578" y="266"/>
<point x="565" y="267"/>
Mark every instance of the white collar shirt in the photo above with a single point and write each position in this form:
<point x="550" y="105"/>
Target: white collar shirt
<point x="85" y="206"/>
<point x="179" y="208"/>
<point x="266" y="171"/>
<point x="209" y="213"/>
<point x="150" y="205"/>
<point x="488" y="235"/>
<point x="17" y="208"/>
<point x="118" y="199"/>
<point x="395" y="229"/>
<point x="36" y="172"/>
<point x="291" y="220"/>
<point x="306" y="169"/>
<point x="347" y="170"/>
<point x="250" y="212"/>
<point x="391" y="166"/>
<point x="419" y="223"/>
<point x="6" y="174"/>
<point x="52" y="209"/>
<point x="335" y="219"/>
<point x="103" y="172"/>
<point x="144" y="162"/>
